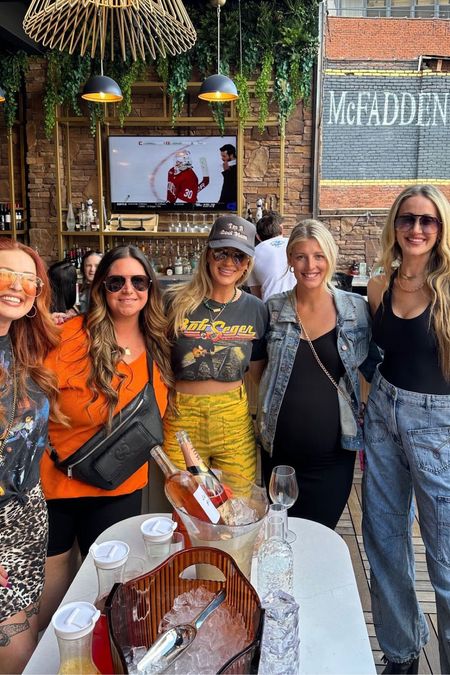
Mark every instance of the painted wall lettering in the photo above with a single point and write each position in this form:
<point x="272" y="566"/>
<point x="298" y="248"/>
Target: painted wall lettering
<point x="387" y="108"/>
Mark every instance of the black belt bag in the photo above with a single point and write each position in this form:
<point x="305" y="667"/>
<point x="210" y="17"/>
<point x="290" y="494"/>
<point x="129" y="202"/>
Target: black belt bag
<point x="107" y="460"/>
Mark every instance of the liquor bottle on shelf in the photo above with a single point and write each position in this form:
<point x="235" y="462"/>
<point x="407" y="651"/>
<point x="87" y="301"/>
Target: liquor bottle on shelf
<point x="183" y="491"/>
<point x="70" y="220"/>
<point x="195" y="257"/>
<point x="185" y="261"/>
<point x="89" y="213"/>
<point x="83" y="218"/>
<point x="2" y="217"/>
<point x="217" y="492"/>
<point x="95" y="223"/>
<point x="178" y="263"/>
<point x="18" y="216"/>
<point x="8" y="217"/>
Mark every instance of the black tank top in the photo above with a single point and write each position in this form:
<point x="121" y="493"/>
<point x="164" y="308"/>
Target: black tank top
<point x="309" y="415"/>
<point x="411" y="357"/>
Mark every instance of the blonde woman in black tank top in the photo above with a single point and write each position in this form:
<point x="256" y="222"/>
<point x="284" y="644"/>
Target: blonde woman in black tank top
<point x="407" y="426"/>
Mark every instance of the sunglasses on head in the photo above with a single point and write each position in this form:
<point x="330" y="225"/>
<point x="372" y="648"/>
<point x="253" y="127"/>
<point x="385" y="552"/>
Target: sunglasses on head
<point x="220" y="254"/>
<point x="115" y="283"/>
<point x="31" y="284"/>
<point x="429" y="224"/>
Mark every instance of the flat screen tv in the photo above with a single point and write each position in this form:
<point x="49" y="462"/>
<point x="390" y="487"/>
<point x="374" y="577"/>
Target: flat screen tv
<point x="172" y="173"/>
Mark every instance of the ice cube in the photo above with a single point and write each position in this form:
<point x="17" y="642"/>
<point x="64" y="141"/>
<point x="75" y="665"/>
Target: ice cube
<point x="236" y="511"/>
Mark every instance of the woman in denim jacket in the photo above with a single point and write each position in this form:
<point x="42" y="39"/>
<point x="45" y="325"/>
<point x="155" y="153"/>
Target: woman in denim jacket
<point x="408" y="426"/>
<point x="308" y="411"/>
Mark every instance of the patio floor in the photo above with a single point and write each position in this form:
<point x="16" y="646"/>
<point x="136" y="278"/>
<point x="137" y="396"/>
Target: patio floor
<point x="349" y="527"/>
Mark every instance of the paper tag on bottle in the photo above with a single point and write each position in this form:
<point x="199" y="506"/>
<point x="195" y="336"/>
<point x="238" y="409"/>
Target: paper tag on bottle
<point x="207" y="505"/>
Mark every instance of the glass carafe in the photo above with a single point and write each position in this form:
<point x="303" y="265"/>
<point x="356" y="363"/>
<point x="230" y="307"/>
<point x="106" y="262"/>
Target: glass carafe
<point x="73" y="624"/>
<point x="110" y="559"/>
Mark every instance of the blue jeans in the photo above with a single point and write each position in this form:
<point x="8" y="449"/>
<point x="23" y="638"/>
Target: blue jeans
<point x="407" y="449"/>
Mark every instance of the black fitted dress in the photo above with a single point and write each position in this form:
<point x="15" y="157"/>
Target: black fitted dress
<point x="308" y="435"/>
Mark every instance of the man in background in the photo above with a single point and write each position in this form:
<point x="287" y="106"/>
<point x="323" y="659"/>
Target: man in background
<point x="270" y="273"/>
<point x="228" y="195"/>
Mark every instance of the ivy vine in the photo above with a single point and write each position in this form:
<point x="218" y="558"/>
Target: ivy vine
<point x="279" y="43"/>
<point x="65" y="76"/>
<point x="12" y="70"/>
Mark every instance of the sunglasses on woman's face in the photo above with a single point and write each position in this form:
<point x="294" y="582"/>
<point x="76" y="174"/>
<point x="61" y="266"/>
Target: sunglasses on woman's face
<point x="115" y="283"/>
<point x="31" y="284"/>
<point x="429" y="224"/>
<point x="221" y="254"/>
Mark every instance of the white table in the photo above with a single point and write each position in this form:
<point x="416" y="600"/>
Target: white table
<point x="333" y="633"/>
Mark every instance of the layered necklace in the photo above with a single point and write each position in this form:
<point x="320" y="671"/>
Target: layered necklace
<point x="409" y="277"/>
<point x="217" y="311"/>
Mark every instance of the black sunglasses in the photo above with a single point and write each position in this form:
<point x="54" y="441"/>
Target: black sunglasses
<point x="115" y="283"/>
<point x="429" y="224"/>
<point x="220" y="254"/>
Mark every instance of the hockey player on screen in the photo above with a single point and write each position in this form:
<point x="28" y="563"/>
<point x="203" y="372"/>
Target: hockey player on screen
<point x="182" y="181"/>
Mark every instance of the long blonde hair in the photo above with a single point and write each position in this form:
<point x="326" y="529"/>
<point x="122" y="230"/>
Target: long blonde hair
<point x="314" y="229"/>
<point x="438" y="266"/>
<point x="182" y="299"/>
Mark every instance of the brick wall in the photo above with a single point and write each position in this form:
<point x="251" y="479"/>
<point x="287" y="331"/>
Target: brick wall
<point x="261" y="161"/>
<point x="387" y="39"/>
<point x="385" y="123"/>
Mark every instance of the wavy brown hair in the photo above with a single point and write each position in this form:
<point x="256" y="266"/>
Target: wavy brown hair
<point x="438" y="267"/>
<point x="32" y="338"/>
<point x="103" y="349"/>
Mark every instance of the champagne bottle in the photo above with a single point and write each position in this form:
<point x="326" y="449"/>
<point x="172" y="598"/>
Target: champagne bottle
<point x="183" y="491"/>
<point x="203" y="474"/>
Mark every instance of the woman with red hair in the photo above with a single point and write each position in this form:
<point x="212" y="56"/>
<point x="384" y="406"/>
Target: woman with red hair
<point x="28" y="395"/>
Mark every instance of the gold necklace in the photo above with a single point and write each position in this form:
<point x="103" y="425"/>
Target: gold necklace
<point x="13" y="408"/>
<point x="407" y="277"/>
<point x="411" y="290"/>
<point x="217" y="310"/>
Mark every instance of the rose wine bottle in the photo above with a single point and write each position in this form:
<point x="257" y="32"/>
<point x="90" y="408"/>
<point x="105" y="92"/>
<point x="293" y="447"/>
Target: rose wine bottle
<point x="203" y="474"/>
<point x="183" y="490"/>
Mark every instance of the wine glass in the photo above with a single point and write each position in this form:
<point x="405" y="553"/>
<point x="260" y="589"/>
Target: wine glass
<point x="283" y="489"/>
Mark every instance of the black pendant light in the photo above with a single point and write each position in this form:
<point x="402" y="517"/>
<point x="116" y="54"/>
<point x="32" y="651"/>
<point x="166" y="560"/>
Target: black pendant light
<point x="2" y="96"/>
<point x="218" y="88"/>
<point x="101" y="88"/>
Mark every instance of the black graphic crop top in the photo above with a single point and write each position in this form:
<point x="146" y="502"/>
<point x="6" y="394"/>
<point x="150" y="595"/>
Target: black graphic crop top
<point x="19" y="460"/>
<point x="219" y="345"/>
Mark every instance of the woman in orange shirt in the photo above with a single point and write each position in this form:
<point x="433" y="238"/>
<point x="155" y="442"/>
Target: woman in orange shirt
<point x="101" y="366"/>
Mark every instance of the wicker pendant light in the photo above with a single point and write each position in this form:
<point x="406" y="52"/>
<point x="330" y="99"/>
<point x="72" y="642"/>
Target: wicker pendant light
<point x="95" y="27"/>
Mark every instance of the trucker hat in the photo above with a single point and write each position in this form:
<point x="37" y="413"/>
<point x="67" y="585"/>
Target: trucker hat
<point x="235" y="232"/>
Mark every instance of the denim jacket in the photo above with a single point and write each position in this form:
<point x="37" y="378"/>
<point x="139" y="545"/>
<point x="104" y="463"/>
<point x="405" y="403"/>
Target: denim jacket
<point x="356" y="350"/>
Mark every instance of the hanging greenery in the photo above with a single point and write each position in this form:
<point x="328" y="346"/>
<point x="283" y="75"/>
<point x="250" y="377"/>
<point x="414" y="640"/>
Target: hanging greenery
<point x="65" y="76"/>
<point x="179" y="74"/>
<point x="279" y="43"/>
<point x="12" y="69"/>
<point x="126" y="74"/>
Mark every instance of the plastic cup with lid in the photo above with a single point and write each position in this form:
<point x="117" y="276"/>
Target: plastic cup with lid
<point x="110" y="558"/>
<point x="157" y="534"/>
<point x="73" y="624"/>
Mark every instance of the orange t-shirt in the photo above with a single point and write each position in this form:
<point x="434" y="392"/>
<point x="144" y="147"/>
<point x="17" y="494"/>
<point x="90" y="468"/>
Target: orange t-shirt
<point x="70" y="362"/>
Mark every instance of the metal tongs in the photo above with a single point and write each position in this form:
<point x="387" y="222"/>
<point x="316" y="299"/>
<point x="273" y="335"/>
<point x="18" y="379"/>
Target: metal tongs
<point x="171" y="644"/>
